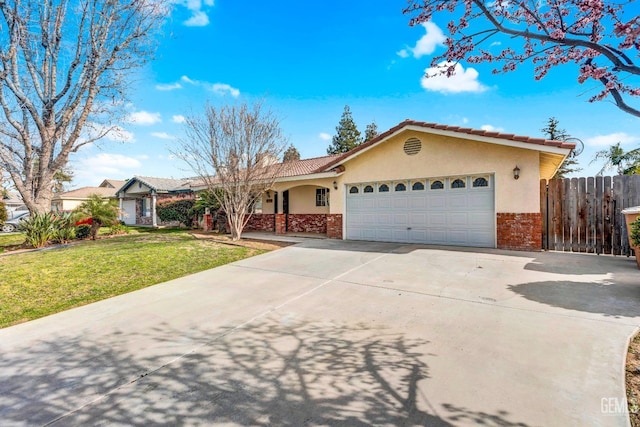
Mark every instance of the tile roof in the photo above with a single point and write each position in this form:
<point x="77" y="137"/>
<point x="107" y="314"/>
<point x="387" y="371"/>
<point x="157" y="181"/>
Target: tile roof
<point x="456" y="129"/>
<point x="85" y="192"/>
<point x="306" y="166"/>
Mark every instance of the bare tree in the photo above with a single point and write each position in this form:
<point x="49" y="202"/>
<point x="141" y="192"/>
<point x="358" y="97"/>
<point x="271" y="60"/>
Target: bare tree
<point x="235" y="149"/>
<point x="64" y="67"/>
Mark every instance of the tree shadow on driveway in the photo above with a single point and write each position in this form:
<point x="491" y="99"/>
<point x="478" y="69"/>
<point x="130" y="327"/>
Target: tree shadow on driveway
<point x="607" y="298"/>
<point x="268" y="373"/>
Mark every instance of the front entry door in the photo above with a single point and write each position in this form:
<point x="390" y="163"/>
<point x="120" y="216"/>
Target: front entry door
<point x="285" y="208"/>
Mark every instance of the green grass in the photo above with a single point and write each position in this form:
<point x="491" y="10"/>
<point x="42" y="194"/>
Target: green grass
<point x="10" y="240"/>
<point x="37" y="284"/>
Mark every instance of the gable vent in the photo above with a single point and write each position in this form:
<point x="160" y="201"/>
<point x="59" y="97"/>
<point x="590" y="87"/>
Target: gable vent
<point x="412" y="146"/>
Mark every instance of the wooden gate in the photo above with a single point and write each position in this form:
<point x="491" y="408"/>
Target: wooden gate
<point x="584" y="214"/>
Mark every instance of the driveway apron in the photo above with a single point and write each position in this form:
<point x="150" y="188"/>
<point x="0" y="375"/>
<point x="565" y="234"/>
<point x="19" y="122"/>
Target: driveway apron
<point x="340" y="333"/>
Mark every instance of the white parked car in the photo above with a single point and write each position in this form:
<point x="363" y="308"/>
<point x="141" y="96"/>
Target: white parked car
<point x="17" y="212"/>
<point x="11" y="225"/>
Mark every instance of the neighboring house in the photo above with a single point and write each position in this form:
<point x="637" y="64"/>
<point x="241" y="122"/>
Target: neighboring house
<point x="14" y="204"/>
<point x="139" y="195"/>
<point x="112" y="183"/>
<point x="69" y="200"/>
<point x="420" y="183"/>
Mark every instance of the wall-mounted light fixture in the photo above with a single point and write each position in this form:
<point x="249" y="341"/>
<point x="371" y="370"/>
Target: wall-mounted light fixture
<point x="516" y="172"/>
<point x="268" y="194"/>
<point x="335" y="185"/>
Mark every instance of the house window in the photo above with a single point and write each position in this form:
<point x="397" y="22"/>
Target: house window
<point x="458" y="183"/>
<point x="418" y="185"/>
<point x="322" y="197"/>
<point x="480" y="182"/>
<point x="257" y="205"/>
<point x="353" y="190"/>
<point x="145" y="207"/>
<point x="384" y="188"/>
<point x="400" y="187"/>
<point x="368" y="189"/>
<point x="436" y="185"/>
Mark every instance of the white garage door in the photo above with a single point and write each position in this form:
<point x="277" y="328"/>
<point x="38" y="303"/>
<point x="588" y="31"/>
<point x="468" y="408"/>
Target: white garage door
<point x="456" y="211"/>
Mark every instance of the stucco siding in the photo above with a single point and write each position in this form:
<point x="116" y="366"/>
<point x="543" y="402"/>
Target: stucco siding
<point x="302" y="200"/>
<point x="443" y="157"/>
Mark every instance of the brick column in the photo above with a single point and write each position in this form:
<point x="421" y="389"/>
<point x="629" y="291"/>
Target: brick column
<point x="334" y="226"/>
<point x="207" y="222"/>
<point x="519" y="231"/>
<point x="281" y="223"/>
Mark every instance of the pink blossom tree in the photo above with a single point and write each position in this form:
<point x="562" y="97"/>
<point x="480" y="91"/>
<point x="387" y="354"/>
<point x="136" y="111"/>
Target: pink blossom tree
<point x="601" y="37"/>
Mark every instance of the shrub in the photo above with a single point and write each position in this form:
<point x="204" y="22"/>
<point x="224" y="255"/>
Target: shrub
<point x="207" y="200"/>
<point x="3" y="212"/>
<point x="117" y="229"/>
<point x="83" y="231"/>
<point x="101" y="211"/>
<point x="65" y="230"/>
<point x="39" y="229"/>
<point x="635" y="232"/>
<point x="176" y="210"/>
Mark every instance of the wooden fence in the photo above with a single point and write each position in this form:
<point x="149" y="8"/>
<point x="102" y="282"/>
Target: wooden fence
<point x="584" y="214"/>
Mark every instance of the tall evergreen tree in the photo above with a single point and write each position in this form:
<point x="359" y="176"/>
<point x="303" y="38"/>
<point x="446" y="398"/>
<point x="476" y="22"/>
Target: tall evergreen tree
<point x="347" y="135"/>
<point x="371" y="131"/>
<point x="553" y="131"/>
<point x="60" y="178"/>
<point x="291" y="154"/>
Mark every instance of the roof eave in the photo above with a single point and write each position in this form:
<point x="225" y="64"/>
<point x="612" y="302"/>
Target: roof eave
<point x="453" y="134"/>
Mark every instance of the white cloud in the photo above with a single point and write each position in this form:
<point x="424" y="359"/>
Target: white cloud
<point x="465" y="120"/>
<point x="93" y="170"/>
<point x="162" y="135"/>
<point x="491" y="128"/>
<point x="198" y="10"/>
<point x="171" y="86"/>
<point x="144" y="118"/>
<point x="461" y="81"/>
<point x="188" y="80"/>
<point x="324" y="136"/>
<point x="427" y="44"/>
<point x="222" y="89"/>
<point x="198" y="19"/>
<point x="612" y="138"/>
<point x="178" y="118"/>
<point x="495" y="44"/>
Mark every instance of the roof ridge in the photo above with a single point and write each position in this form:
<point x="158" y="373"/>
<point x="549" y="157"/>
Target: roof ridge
<point x="448" y="128"/>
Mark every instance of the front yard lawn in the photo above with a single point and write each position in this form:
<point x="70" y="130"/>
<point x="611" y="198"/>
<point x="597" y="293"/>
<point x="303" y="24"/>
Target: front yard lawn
<point x="12" y="239"/>
<point x="36" y="284"/>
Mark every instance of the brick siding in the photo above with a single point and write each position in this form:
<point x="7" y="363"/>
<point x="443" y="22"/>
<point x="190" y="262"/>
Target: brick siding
<point x="261" y="222"/>
<point x="281" y="223"/>
<point x="307" y="223"/>
<point x="519" y="231"/>
<point x="334" y="226"/>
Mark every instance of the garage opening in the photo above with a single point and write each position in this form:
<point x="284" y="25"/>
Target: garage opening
<point x="455" y="210"/>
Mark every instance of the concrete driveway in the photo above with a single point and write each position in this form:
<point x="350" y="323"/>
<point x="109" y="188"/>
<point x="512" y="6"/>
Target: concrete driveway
<point x="339" y="333"/>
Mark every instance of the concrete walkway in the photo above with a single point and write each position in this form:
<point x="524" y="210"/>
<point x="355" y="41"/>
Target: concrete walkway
<point x="339" y="333"/>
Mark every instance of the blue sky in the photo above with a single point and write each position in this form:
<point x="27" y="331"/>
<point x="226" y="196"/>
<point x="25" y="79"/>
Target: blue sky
<point x="308" y="60"/>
